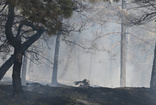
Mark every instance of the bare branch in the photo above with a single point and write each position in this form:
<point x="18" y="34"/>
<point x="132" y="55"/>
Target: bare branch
<point x="140" y="39"/>
<point x="71" y="42"/>
<point x="105" y="35"/>
<point x="3" y="7"/>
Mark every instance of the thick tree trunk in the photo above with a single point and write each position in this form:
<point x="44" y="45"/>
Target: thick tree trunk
<point x="153" y="74"/>
<point x="55" y="67"/>
<point x="16" y="71"/>
<point x="16" y="43"/>
<point x="18" y="48"/>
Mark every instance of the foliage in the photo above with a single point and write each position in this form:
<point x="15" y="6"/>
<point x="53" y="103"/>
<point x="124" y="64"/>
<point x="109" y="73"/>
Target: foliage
<point x="44" y="12"/>
<point x="40" y="16"/>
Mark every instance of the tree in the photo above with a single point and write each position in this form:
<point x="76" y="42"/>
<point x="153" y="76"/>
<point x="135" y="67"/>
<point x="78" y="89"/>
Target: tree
<point x="153" y="74"/>
<point x="123" y="50"/>
<point x="25" y="17"/>
<point x="146" y="16"/>
<point x="56" y="56"/>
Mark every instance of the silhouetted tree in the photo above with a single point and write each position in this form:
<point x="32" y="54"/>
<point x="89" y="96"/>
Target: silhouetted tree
<point x="153" y="74"/>
<point x="56" y="56"/>
<point x="29" y="19"/>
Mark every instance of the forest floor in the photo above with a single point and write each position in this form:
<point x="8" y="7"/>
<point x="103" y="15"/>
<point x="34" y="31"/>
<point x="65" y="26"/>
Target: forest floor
<point x="36" y="94"/>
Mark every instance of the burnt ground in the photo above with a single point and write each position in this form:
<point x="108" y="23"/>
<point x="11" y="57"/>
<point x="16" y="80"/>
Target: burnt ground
<point x="36" y="94"/>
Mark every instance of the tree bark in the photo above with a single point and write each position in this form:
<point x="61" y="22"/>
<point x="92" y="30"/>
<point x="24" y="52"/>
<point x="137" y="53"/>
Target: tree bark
<point x="16" y="71"/>
<point x="153" y="74"/>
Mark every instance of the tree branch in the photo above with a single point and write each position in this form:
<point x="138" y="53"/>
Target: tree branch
<point x="4" y="68"/>
<point x="26" y="23"/>
<point x="4" y="7"/>
<point x="8" y="26"/>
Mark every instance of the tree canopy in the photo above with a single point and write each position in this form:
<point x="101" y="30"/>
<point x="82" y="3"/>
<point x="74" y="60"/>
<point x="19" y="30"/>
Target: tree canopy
<point x="44" y="12"/>
<point x="38" y="16"/>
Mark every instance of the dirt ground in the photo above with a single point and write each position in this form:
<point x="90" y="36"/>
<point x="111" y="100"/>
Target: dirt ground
<point x="36" y="94"/>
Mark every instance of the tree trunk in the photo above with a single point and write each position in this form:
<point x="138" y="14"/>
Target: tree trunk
<point x="79" y="65"/>
<point x="24" y="69"/>
<point x="123" y="50"/>
<point x="56" y="55"/>
<point x="153" y="74"/>
<point x="18" y="48"/>
<point x="90" y="68"/>
<point x="16" y="71"/>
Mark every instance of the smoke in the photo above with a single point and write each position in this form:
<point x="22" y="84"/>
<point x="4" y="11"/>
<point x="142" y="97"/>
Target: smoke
<point x="95" y="56"/>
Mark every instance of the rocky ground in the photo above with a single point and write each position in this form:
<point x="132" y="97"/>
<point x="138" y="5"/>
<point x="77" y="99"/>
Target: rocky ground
<point x="36" y="94"/>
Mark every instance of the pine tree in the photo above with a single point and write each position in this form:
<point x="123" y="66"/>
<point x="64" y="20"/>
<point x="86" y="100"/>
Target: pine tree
<point x="38" y="15"/>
